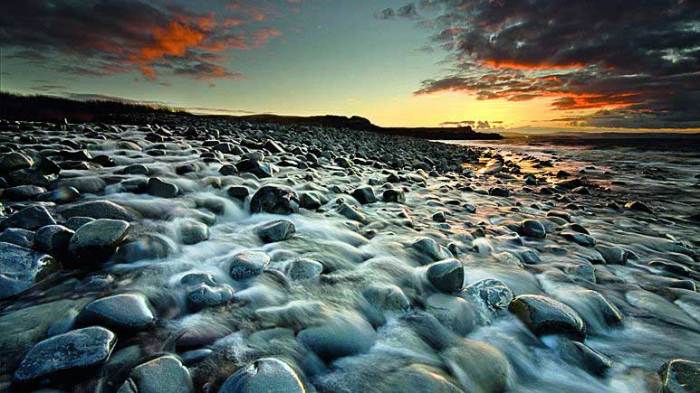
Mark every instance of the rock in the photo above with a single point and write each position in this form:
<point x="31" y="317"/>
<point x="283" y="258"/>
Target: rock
<point x="238" y="192"/>
<point x="136" y="169"/>
<point x="584" y="357"/>
<point x="479" y="366"/>
<point x="98" y="209"/>
<point x="351" y="213"/>
<point x="74" y="223"/>
<point x="247" y="264"/>
<point x="439" y="217"/>
<point x="162" y="374"/>
<point x="61" y="195"/>
<point x="125" y="312"/>
<point x="453" y="312"/>
<point x="544" y="315"/>
<point x="680" y="376"/>
<point x="97" y="240"/>
<point x="393" y="195"/>
<point x="260" y="169"/>
<point x="309" y="201"/>
<point x="266" y="375"/>
<point x="342" y="335"/>
<point x="18" y="236"/>
<point x="638" y="206"/>
<point x="275" y="200"/>
<point x="69" y="352"/>
<point x="579" y="238"/>
<point x="53" y="239"/>
<point x="146" y="246"/>
<point x="14" y="161"/>
<point x="429" y="248"/>
<point x="499" y="192"/>
<point x="303" y="269"/>
<point x="364" y="195"/>
<point x="533" y="228"/>
<point x="612" y="255"/>
<point x="32" y="218"/>
<point x="84" y="184"/>
<point x="386" y="297"/>
<point x="20" y="268"/>
<point x="446" y="275"/>
<point x="204" y="296"/>
<point x="193" y="232"/>
<point x="275" y="231"/>
<point x="495" y="294"/>
<point x="22" y="193"/>
<point x="160" y="188"/>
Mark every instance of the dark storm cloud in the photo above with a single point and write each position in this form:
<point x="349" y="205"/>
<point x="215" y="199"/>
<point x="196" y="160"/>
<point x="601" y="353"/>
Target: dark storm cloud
<point x="103" y="37"/>
<point x="638" y="63"/>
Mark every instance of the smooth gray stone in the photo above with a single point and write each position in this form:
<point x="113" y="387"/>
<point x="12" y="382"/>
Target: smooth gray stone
<point x="160" y="375"/>
<point x="266" y="375"/>
<point x="31" y="218"/>
<point x="97" y="240"/>
<point x="544" y="315"/>
<point x="123" y="312"/>
<point x="275" y="231"/>
<point x="76" y="350"/>
<point x="20" y="268"/>
<point x="98" y="209"/>
<point x="446" y="275"/>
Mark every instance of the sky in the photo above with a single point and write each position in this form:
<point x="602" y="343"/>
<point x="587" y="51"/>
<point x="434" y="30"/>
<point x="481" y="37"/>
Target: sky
<point x="491" y="64"/>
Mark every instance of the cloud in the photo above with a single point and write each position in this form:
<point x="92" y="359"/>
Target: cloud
<point x="630" y="62"/>
<point x="105" y="37"/>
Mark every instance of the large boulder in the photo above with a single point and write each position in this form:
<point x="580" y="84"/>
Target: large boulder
<point x="446" y="275"/>
<point x="268" y="375"/>
<point x="99" y="209"/>
<point x="680" y="376"/>
<point x="274" y="199"/>
<point x="32" y="218"/>
<point x="123" y="312"/>
<point x="20" y="268"/>
<point x="544" y="316"/>
<point x="69" y="352"/>
<point x="97" y="240"/>
<point x="162" y="374"/>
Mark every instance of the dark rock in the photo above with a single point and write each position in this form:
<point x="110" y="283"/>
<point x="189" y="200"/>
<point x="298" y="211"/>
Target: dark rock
<point x="248" y="264"/>
<point x="32" y="218"/>
<point x="266" y="375"/>
<point x="533" y="228"/>
<point x="124" y="312"/>
<point x="393" y="195"/>
<point x="364" y="195"/>
<point x="680" y="376"/>
<point x="303" y="269"/>
<point x="18" y="236"/>
<point x="97" y="240"/>
<point x="20" y="268"/>
<point x="74" y="223"/>
<point x="309" y="201"/>
<point x="69" y="352"/>
<point x="340" y="336"/>
<point x="238" y="192"/>
<point x="579" y="238"/>
<point x="136" y="169"/>
<point x="146" y="246"/>
<point x="85" y="184"/>
<point x="275" y="231"/>
<point x="584" y="357"/>
<point x="439" y="217"/>
<point x="446" y="275"/>
<point x="204" y="296"/>
<point x="160" y="188"/>
<point x="275" y="200"/>
<point x="351" y="213"/>
<point x="162" y="374"/>
<point x="22" y="193"/>
<point x="493" y="293"/>
<point x="638" y="206"/>
<point x="228" y="170"/>
<point x="61" y="195"/>
<point x="499" y="192"/>
<point x="544" y="315"/>
<point x="14" y="161"/>
<point x="98" y="209"/>
<point x="260" y="169"/>
<point x="53" y="239"/>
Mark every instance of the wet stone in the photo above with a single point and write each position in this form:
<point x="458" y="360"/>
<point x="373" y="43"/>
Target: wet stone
<point x="533" y="229"/>
<point x="76" y="350"/>
<point x="20" y="268"/>
<point x="275" y="200"/>
<point x="248" y="264"/>
<point x="364" y="195"/>
<point x="193" y="232"/>
<point x="123" y="312"/>
<point x="160" y="188"/>
<point x="32" y="218"/>
<point x="393" y="195"/>
<point x="494" y="293"/>
<point x="342" y="335"/>
<point x="544" y="315"/>
<point x="680" y="376"/>
<point x="303" y="269"/>
<point x="18" y="236"/>
<point x="98" y="209"/>
<point x="162" y="374"/>
<point x="204" y="296"/>
<point x="53" y="239"/>
<point x="446" y="275"/>
<point x="238" y="192"/>
<point x="275" y="231"/>
<point x="97" y="240"/>
<point x="266" y="375"/>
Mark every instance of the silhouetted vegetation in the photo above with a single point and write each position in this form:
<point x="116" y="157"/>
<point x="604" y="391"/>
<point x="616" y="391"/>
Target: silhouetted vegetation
<point x="52" y="109"/>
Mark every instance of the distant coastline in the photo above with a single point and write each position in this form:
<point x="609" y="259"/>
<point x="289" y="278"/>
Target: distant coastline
<point x="53" y="109"/>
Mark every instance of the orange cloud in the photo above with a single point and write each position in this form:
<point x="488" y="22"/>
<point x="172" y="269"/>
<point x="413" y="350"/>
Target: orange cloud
<point x="531" y="66"/>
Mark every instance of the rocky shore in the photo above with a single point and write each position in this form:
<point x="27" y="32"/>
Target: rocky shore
<point x="188" y="254"/>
